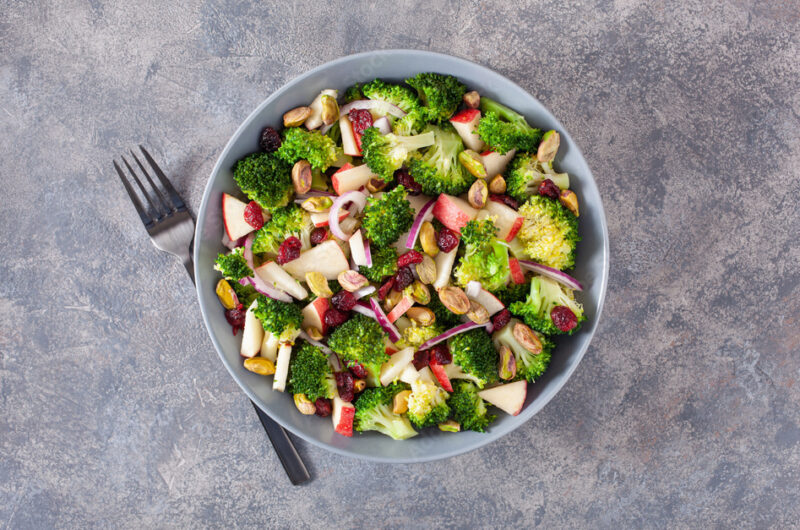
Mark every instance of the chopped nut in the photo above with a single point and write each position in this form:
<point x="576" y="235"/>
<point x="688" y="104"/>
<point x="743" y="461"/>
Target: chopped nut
<point x="472" y="99"/>
<point x="317" y="204"/>
<point x="296" y="117"/>
<point x="314" y="333"/>
<point x="259" y="365"/>
<point x="375" y="185"/>
<point x="477" y="313"/>
<point x="426" y="270"/>
<point x="392" y="299"/>
<point x="352" y="281"/>
<point x="330" y="109"/>
<point x="472" y="161"/>
<point x="478" y="193"/>
<point x="569" y="200"/>
<point x="527" y="338"/>
<point x="304" y="405"/>
<point x="497" y="184"/>
<point x="420" y="293"/>
<point x="507" y="368"/>
<point x="301" y="176"/>
<point x="548" y="147"/>
<point x="454" y="299"/>
<point x="450" y="426"/>
<point x="359" y="385"/>
<point x="400" y="402"/>
<point x="427" y="238"/>
<point x="226" y="294"/>
<point x="421" y="315"/>
<point x="318" y="284"/>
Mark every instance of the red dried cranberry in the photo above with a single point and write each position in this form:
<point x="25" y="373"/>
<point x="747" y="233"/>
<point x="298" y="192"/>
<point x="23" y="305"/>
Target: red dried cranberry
<point x="500" y="320"/>
<point x="361" y="120"/>
<point x="269" y="140"/>
<point x="318" y="235"/>
<point x="346" y="385"/>
<point x="343" y="301"/>
<point x="409" y="258"/>
<point x="440" y="354"/>
<point x="563" y="318"/>
<point x="385" y="288"/>
<point x="323" y="407"/>
<point x="404" y="178"/>
<point x="548" y="188"/>
<point x="253" y="215"/>
<point x="421" y="359"/>
<point x="289" y="250"/>
<point x="504" y="199"/>
<point x="446" y="239"/>
<point x="403" y="278"/>
<point x="358" y="370"/>
<point x="235" y="318"/>
<point x="333" y="317"/>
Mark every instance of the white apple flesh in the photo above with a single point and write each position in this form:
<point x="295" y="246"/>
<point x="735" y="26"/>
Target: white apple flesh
<point x="269" y="347"/>
<point x="349" y="144"/>
<point x="253" y="333"/>
<point x="233" y="217"/>
<point x="314" y="314"/>
<point x="509" y="398"/>
<point x="465" y="124"/>
<point x="496" y="163"/>
<point x="282" y="366"/>
<point x="444" y="266"/>
<point x="351" y="178"/>
<point x="342" y="416"/>
<point x="273" y="274"/>
<point x="326" y="258"/>
<point x="391" y="369"/>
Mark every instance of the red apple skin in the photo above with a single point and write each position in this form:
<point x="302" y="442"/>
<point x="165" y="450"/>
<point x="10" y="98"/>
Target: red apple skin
<point x="327" y="222"/>
<point x="514" y="229"/>
<point x="517" y="274"/>
<point x="335" y="181"/>
<point x="345" y="426"/>
<point x="319" y="306"/>
<point x="232" y="201"/>
<point x="438" y="371"/>
<point x="450" y="214"/>
<point x="466" y="115"/>
<point x="399" y="310"/>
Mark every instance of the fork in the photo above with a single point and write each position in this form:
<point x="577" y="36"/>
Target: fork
<point x="171" y="228"/>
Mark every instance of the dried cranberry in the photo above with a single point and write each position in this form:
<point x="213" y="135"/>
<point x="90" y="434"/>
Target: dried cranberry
<point x="343" y="301"/>
<point x="504" y="199"/>
<point x="235" y="318"/>
<point x="385" y="288"/>
<point x="405" y="179"/>
<point x="501" y="319"/>
<point x="440" y="354"/>
<point x="403" y="278"/>
<point x="421" y="359"/>
<point x="548" y="188"/>
<point x="446" y="239"/>
<point x="333" y="317"/>
<point x="270" y="140"/>
<point x="361" y="120"/>
<point x="563" y="318"/>
<point x="289" y="250"/>
<point x="253" y="215"/>
<point x="318" y="235"/>
<point x="409" y="258"/>
<point x="358" y="370"/>
<point x="323" y="407"/>
<point x="346" y="385"/>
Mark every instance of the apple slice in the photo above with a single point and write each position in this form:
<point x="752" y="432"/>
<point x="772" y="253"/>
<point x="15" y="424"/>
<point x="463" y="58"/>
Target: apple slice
<point x="315" y="120"/>
<point x="253" y="333"/>
<point x="269" y="347"/>
<point x="357" y="250"/>
<point x="509" y="398"/>
<point x="273" y="274"/>
<point x="314" y="315"/>
<point x="488" y="301"/>
<point x="507" y="220"/>
<point x="349" y="144"/>
<point x="343" y="414"/>
<point x="465" y="123"/>
<point x="426" y="375"/>
<point x="441" y="376"/>
<point x="402" y="324"/>
<point x="323" y="219"/>
<point x="326" y="258"/>
<point x="453" y="212"/>
<point x="517" y="274"/>
<point x="351" y="178"/>
<point x="282" y="366"/>
<point x="444" y="266"/>
<point x="400" y="309"/>
<point x="233" y="217"/>
<point x="409" y="374"/>
<point x="496" y="163"/>
<point x="391" y="369"/>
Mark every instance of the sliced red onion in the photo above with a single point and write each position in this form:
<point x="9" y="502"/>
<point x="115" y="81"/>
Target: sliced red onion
<point x="305" y="336"/>
<point x="248" y="251"/>
<point x="335" y="362"/>
<point x="473" y="289"/>
<point x="358" y="198"/>
<point x="383" y="320"/>
<point x="367" y="252"/>
<point x="383" y="125"/>
<point x="267" y="290"/>
<point x="452" y="332"/>
<point x="555" y="274"/>
<point x="364" y="308"/>
<point x="364" y="291"/>
<point x="381" y="107"/>
<point x="422" y="216"/>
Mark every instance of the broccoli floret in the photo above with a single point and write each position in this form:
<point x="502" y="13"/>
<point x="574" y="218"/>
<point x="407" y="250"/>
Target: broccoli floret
<point x="398" y="95"/>
<point x="264" y="178"/>
<point x="469" y="410"/>
<point x="233" y="266"/>
<point x="374" y="413"/>
<point x="545" y="294"/>
<point x="474" y="352"/>
<point x="310" y="373"/>
<point x="410" y="124"/>
<point x="300" y="144"/>
<point x="245" y="293"/>
<point x="385" y="153"/>
<point x="384" y="263"/>
<point x="427" y="404"/>
<point x="549" y="232"/>
<point x="512" y="292"/>
<point x="388" y="217"/>
<point x="530" y="366"/>
<point x="290" y="220"/>
<point x="440" y="94"/>
<point x="525" y="173"/>
<point x="485" y="258"/>
<point x="360" y="339"/>
<point x="353" y="93"/>
<point x="438" y="169"/>
<point x="279" y="318"/>
<point x="503" y="129"/>
<point x="444" y="317"/>
<point x="417" y="335"/>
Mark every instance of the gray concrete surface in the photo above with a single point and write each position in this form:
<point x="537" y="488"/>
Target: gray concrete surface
<point x="116" y="412"/>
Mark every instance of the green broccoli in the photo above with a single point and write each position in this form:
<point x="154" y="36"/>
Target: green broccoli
<point x="438" y="169"/>
<point x="545" y="295"/>
<point x="279" y="318"/>
<point x="233" y="266"/>
<point x="398" y="95"/>
<point x="444" y="317"/>
<point x="485" y="258"/>
<point x="388" y="217"/>
<point x="549" y="232"/>
<point x="530" y="365"/>
<point x="264" y="178"/>
<point x="353" y="93"/>
<point x="469" y="410"/>
<point x="384" y="263"/>
<point x="410" y="124"/>
<point x="290" y="220"/>
<point x="300" y="144"/>
<point x="440" y="94"/>
<point x="386" y="153"/>
<point x="474" y="353"/>
<point x="374" y="413"/>
<point x="503" y="129"/>
<point x="417" y="335"/>
<point x="360" y="339"/>
<point x="310" y="373"/>
<point x="525" y="173"/>
<point x="245" y="293"/>
<point x="427" y="404"/>
<point x="512" y="292"/>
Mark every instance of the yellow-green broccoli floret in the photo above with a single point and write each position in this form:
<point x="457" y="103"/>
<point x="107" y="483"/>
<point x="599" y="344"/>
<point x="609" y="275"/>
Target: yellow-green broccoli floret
<point x="300" y="144"/>
<point x="264" y="178"/>
<point x="398" y="95"/>
<point x="485" y="258"/>
<point x="438" y="169"/>
<point x="545" y="295"/>
<point x="386" y="153"/>
<point x="233" y="266"/>
<point x="374" y="413"/>
<point x="427" y="404"/>
<point x="417" y="335"/>
<point x="525" y="173"/>
<point x="504" y="129"/>
<point x="530" y="365"/>
<point x="279" y="318"/>
<point x="549" y="232"/>
<point x="290" y="220"/>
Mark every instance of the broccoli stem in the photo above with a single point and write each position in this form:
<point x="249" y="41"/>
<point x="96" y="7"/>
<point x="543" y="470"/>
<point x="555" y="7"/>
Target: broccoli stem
<point x="490" y="105"/>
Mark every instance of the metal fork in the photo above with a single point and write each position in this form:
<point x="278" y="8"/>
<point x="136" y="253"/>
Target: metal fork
<point x="171" y="228"/>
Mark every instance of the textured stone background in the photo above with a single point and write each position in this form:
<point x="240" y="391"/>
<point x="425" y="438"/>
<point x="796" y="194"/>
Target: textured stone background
<point x="115" y="411"/>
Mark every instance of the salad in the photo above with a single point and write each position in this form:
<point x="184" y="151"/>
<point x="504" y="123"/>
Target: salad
<point x="397" y="254"/>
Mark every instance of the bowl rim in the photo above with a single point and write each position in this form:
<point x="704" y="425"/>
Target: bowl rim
<point x="529" y="411"/>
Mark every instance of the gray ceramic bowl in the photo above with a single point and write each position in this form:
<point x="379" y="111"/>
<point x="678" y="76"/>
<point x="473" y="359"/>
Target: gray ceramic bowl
<point x="591" y="268"/>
